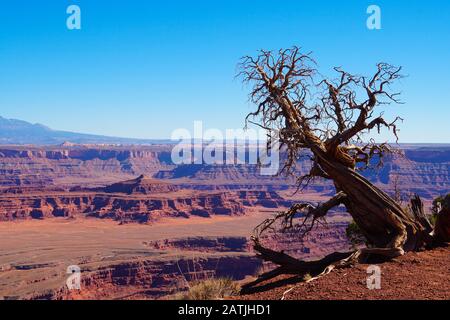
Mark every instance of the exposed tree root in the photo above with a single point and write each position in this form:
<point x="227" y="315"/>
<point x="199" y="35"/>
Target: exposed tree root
<point x="290" y="265"/>
<point x="307" y="271"/>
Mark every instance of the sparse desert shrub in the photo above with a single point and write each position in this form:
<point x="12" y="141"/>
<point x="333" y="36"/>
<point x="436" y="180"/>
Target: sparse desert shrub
<point x="441" y="217"/>
<point x="438" y="205"/>
<point x="210" y="289"/>
<point x="263" y="268"/>
<point x="354" y="234"/>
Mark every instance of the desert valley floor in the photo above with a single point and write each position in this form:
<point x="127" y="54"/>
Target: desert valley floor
<point x="36" y="254"/>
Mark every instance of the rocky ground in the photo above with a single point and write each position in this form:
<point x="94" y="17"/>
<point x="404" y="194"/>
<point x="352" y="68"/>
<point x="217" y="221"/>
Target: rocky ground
<point x="417" y="275"/>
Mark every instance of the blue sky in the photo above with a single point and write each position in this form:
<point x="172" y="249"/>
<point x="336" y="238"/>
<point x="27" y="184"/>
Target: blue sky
<point x="144" y="68"/>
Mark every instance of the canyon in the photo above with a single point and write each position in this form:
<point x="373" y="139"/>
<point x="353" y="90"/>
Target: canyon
<point x="141" y="200"/>
<point x="140" y="227"/>
<point x="423" y="169"/>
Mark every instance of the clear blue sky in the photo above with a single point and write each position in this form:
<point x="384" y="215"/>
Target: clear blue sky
<point x="143" y="68"/>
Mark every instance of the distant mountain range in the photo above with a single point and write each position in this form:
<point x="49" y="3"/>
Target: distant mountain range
<point x="19" y="132"/>
<point x="13" y="131"/>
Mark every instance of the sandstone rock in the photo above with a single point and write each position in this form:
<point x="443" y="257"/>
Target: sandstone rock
<point x="142" y="185"/>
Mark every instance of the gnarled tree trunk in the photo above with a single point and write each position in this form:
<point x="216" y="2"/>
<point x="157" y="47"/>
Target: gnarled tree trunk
<point x="384" y="223"/>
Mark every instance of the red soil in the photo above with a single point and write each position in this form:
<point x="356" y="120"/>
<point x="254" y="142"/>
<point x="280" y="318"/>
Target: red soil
<point x="416" y="275"/>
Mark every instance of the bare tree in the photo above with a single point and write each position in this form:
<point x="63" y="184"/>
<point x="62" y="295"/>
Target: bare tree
<point x="330" y="118"/>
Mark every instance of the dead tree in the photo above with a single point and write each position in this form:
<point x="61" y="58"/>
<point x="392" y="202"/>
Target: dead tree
<point x="330" y="118"/>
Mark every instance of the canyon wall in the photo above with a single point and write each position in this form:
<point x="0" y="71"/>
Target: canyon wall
<point x="153" y="279"/>
<point x="134" y="208"/>
<point x="423" y="169"/>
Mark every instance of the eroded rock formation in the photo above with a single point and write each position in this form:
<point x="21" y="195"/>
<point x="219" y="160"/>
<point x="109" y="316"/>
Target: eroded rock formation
<point x="137" y="200"/>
